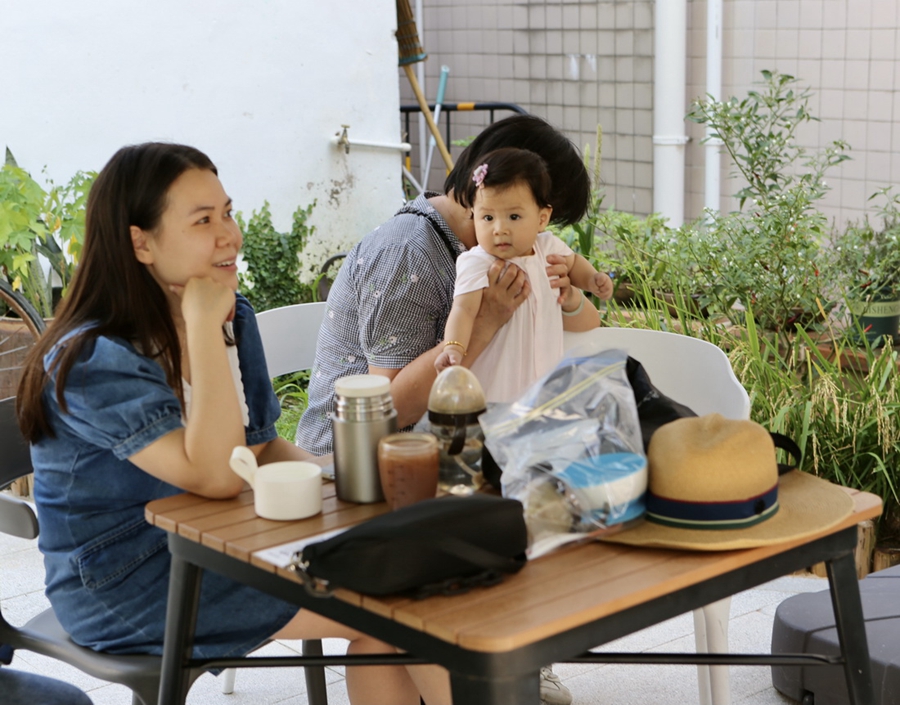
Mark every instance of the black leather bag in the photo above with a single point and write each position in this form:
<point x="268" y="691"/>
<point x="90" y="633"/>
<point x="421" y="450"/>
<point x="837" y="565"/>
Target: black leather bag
<point x="655" y="409"/>
<point x="445" y="545"/>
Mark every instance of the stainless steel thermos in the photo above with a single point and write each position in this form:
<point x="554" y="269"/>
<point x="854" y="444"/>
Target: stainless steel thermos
<point x="363" y="414"/>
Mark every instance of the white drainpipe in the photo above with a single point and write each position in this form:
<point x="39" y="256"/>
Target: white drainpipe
<point x="669" y="88"/>
<point x="712" y="198"/>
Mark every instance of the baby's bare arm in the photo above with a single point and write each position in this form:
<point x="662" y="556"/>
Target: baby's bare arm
<point x="583" y="275"/>
<point x="458" y="331"/>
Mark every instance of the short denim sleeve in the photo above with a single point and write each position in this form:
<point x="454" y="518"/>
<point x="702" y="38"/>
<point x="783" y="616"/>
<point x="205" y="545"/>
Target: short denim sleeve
<point x="118" y="399"/>
<point x="261" y="400"/>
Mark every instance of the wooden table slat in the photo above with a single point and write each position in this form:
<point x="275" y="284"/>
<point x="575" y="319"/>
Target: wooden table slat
<point x="243" y="547"/>
<point x="156" y="512"/>
<point x="189" y="514"/>
<point x="542" y="575"/>
<point x="195" y="529"/>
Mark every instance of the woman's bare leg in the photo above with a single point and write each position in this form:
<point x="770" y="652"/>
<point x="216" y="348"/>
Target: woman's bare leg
<point x="433" y="682"/>
<point x="373" y="685"/>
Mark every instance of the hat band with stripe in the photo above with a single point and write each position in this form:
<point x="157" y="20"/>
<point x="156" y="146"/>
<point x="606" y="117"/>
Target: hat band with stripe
<point x="712" y="515"/>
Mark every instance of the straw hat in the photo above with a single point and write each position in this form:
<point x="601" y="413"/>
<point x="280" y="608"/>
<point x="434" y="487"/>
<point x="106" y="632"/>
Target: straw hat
<point x="714" y="486"/>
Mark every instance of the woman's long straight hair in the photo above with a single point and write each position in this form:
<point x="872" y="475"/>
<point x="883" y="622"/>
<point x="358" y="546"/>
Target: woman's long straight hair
<point x="112" y="293"/>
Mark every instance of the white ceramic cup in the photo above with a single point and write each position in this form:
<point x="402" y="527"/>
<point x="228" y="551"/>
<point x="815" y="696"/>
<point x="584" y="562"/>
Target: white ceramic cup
<point x="286" y="490"/>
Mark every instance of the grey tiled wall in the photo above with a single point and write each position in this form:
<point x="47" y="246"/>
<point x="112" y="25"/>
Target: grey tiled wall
<point x="577" y="64"/>
<point x="580" y="64"/>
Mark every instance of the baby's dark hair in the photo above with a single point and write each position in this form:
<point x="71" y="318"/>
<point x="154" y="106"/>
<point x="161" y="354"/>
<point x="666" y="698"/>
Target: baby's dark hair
<point x="508" y="166"/>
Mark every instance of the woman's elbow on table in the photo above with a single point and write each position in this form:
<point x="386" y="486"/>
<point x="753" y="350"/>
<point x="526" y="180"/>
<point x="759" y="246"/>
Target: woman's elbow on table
<point x="209" y="475"/>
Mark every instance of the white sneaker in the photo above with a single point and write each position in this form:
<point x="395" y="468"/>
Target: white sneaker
<point x="553" y="692"/>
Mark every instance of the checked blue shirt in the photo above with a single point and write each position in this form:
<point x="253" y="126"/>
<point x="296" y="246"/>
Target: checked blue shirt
<point x="388" y="305"/>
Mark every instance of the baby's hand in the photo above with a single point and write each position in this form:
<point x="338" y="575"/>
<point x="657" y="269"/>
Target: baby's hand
<point x="602" y="286"/>
<point x="448" y="358"/>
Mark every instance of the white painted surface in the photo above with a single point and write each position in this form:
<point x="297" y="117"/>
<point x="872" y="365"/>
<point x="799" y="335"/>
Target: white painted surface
<point x="260" y="86"/>
<point x="669" y="138"/>
<point x="713" y="148"/>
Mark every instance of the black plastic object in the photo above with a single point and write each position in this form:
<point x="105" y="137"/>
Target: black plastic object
<point x="805" y="624"/>
<point x="444" y="545"/>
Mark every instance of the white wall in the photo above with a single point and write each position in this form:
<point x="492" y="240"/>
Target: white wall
<point x="261" y="86"/>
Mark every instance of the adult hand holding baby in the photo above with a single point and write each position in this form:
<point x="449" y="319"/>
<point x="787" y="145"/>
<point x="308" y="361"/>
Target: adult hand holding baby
<point x="558" y="272"/>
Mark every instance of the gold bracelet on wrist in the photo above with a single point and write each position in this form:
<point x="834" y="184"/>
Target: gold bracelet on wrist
<point x="457" y="344"/>
<point x="577" y="310"/>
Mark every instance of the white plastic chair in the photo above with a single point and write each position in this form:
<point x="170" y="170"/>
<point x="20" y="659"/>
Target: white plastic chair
<point x="289" y="336"/>
<point x="699" y="375"/>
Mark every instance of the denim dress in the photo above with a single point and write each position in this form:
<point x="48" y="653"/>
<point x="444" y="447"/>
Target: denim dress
<point x="107" y="569"/>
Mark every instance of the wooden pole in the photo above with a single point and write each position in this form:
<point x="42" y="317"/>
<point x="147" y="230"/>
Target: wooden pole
<point x="426" y="111"/>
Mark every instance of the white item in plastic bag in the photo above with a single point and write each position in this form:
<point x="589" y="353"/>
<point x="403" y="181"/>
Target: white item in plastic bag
<point x="571" y="450"/>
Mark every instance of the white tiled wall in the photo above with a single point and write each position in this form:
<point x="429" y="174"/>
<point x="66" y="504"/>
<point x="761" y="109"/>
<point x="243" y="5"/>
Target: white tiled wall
<point x="845" y="51"/>
<point x="579" y="63"/>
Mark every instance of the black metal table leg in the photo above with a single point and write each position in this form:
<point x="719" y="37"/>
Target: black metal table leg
<point x="851" y="629"/>
<point x="181" y="620"/>
<point x="506" y="690"/>
<point x="316" y="693"/>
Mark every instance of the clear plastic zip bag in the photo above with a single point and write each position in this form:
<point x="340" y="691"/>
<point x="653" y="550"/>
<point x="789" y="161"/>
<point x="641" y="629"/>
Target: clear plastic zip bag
<point x="571" y="450"/>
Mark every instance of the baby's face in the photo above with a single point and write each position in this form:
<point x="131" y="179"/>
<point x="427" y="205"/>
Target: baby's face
<point x="508" y="220"/>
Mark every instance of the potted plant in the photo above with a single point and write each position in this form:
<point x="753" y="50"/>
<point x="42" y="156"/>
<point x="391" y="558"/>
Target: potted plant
<point x="866" y="264"/>
<point x="767" y="255"/>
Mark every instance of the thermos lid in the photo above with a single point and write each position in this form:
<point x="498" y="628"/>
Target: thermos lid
<point x="362" y="386"/>
<point x="456" y="391"/>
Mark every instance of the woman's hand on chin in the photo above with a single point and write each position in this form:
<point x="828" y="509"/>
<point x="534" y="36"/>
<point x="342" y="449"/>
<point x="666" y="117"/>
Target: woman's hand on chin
<point x="205" y="299"/>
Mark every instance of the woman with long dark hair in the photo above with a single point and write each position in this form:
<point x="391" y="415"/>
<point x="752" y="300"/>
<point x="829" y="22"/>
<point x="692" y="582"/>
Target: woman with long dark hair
<point x="150" y="374"/>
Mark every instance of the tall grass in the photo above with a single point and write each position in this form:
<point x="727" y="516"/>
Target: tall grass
<point x="838" y="400"/>
<point x="293" y="398"/>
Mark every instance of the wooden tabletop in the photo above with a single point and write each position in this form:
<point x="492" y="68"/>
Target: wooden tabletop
<point x="562" y="590"/>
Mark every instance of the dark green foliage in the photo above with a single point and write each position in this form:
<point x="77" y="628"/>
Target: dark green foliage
<point x="272" y="278"/>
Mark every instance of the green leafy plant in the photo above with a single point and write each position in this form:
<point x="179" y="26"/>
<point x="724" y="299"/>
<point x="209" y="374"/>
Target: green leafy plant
<point x="272" y="277"/>
<point x="293" y="398"/>
<point x="581" y="236"/>
<point x="37" y="221"/>
<point x="767" y="255"/>
<point x="841" y="404"/>
<point x="865" y="257"/>
<point x="865" y="261"/>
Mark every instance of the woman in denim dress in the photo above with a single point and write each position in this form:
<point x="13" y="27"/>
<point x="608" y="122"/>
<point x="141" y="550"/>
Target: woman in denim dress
<point x="151" y="372"/>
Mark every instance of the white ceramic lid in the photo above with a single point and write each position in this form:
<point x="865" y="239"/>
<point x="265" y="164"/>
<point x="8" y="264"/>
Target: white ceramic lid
<point x="362" y="386"/>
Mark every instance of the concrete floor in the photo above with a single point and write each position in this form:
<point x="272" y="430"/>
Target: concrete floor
<point x="752" y="612"/>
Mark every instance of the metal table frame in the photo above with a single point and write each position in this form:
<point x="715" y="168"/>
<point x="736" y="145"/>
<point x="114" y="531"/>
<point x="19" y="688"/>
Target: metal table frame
<point x="512" y="677"/>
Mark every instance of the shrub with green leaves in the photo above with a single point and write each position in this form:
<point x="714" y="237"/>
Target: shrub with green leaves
<point x="272" y="278"/>
<point x="768" y="253"/>
<point x="35" y="220"/>
<point x="866" y="257"/>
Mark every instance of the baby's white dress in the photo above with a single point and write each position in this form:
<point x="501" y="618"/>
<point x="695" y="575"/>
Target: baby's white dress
<point x="531" y="343"/>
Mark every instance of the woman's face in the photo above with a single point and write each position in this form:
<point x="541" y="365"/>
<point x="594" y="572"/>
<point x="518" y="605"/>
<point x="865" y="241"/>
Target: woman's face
<point x="196" y="237"/>
<point x="507" y="220"/>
